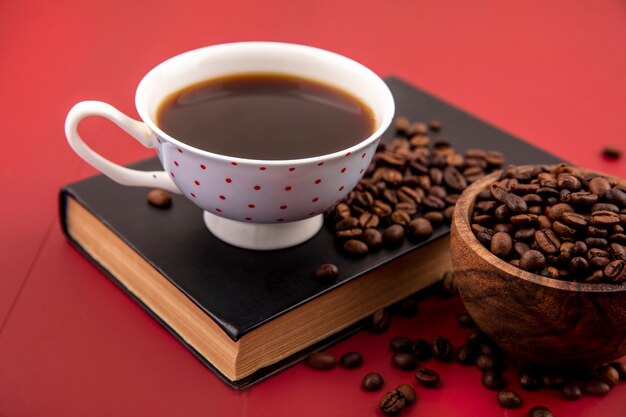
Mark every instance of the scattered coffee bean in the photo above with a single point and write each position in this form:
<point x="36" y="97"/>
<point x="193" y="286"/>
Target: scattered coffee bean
<point x="393" y="236"/>
<point x="612" y="152"/>
<point x="540" y="411"/>
<point x="355" y="248"/>
<point x="596" y="388"/>
<point x="427" y="377"/>
<point x="448" y="287"/>
<point x="159" y="198"/>
<point x="392" y="402"/>
<point x="571" y="391"/>
<point x="553" y="381"/>
<point x="351" y="360"/>
<point x="404" y="361"/>
<point x="441" y="348"/>
<point x="434" y="125"/>
<point x="372" y="382"/>
<point x="486" y="361"/>
<point x="321" y="360"/>
<point x="607" y="374"/>
<point x="466" y="355"/>
<point x="422" y="350"/>
<point x="530" y="379"/>
<point x="380" y="321"/>
<point x="326" y="272"/>
<point x="407" y="392"/>
<point x="509" y="399"/>
<point x="620" y="368"/>
<point x="464" y="319"/>
<point x="401" y="345"/>
<point x="407" y="307"/>
<point x="492" y="380"/>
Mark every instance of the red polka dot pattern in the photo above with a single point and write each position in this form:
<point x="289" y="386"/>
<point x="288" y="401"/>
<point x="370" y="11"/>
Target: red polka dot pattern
<point x="202" y="166"/>
<point x="228" y="180"/>
<point x="250" y="205"/>
<point x="176" y="163"/>
<point x="262" y="168"/>
<point x="222" y="197"/>
<point x="196" y="182"/>
<point x="257" y="187"/>
<point x="283" y="207"/>
<point x="234" y="164"/>
<point x="288" y="188"/>
<point x="292" y="169"/>
<point x="248" y="218"/>
<point x="320" y="164"/>
<point x="317" y="181"/>
<point x="193" y="195"/>
<point x="343" y="170"/>
<point x="315" y="200"/>
<point x="180" y="150"/>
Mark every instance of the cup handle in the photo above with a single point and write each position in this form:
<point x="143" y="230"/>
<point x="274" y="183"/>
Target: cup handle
<point x="138" y="130"/>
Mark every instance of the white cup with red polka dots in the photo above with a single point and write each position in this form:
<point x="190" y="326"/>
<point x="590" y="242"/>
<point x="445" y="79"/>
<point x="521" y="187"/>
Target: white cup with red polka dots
<point x="249" y="203"/>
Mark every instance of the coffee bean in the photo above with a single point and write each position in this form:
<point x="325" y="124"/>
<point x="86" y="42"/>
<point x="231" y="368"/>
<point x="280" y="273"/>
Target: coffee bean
<point x="486" y="361"/>
<point x="492" y="380"/>
<point x="501" y="244"/>
<point x="404" y="361"/>
<point x="392" y="402"/>
<point x="407" y="392"/>
<point x="568" y="182"/>
<point x="400" y="217"/>
<point x="574" y="220"/>
<point x="553" y="381"/>
<point x="598" y="258"/>
<point x="442" y="348"/>
<point x="342" y="211"/>
<point x="381" y="209"/>
<point x="393" y="236"/>
<point x="611" y="152"/>
<point x="620" y="368"/>
<point x="368" y="220"/>
<point x="326" y="272"/>
<point x="579" y="265"/>
<point x="448" y="287"/>
<point x="540" y="411"/>
<point x="607" y="374"/>
<point x="373" y="239"/>
<point x="159" y="198"/>
<point x="380" y="321"/>
<point x="421" y="349"/>
<point x="616" y="271"/>
<point x="401" y="124"/>
<point x="427" y="377"/>
<point x="532" y="260"/>
<point x="434" y="125"/>
<point x="434" y="217"/>
<point x="420" y="228"/>
<point x="464" y="319"/>
<point x="466" y="355"/>
<point x="407" y="307"/>
<point x="401" y="344"/>
<point x="596" y="388"/>
<point x="372" y="382"/>
<point x="530" y="379"/>
<point x="347" y="223"/>
<point x="509" y="399"/>
<point x="351" y="360"/>
<point x="432" y="202"/>
<point x="321" y="360"/>
<point x="571" y="391"/>
<point x="547" y="241"/>
<point x="599" y="185"/>
<point x="355" y="248"/>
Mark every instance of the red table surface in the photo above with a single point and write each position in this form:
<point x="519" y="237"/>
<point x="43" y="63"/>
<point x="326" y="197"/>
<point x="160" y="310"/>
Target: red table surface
<point x="71" y="344"/>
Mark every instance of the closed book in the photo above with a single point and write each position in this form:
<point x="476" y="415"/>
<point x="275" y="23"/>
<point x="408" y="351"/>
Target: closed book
<point x="247" y="314"/>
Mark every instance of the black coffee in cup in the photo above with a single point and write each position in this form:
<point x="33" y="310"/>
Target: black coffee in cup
<point x="265" y="116"/>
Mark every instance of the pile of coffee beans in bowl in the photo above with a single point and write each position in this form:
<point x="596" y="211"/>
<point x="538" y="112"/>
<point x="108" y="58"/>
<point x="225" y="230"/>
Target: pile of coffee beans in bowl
<point x="559" y="222"/>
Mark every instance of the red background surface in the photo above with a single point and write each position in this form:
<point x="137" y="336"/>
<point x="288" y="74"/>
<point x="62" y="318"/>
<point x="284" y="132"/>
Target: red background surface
<point x="72" y="345"/>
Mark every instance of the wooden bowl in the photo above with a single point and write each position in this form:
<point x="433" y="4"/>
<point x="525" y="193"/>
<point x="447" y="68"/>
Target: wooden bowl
<point x="536" y="320"/>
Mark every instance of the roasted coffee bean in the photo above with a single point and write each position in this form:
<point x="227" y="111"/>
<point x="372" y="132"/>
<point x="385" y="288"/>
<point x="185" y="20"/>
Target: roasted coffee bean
<point x="486" y="361"/>
<point x="620" y="368"/>
<point x="372" y="382"/>
<point x="448" y="287"/>
<point x="434" y="125"/>
<point x="367" y="220"/>
<point x="434" y="217"/>
<point x="448" y="213"/>
<point x="381" y="209"/>
<point x="540" y="411"/>
<point x="326" y="272"/>
<point x="342" y="211"/>
<point x="599" y="185"/>
<point x="466" y="355"/>
<point x="568" y="182"/>
<point x="530" y="379"/>
<point x="574" y="220"/>
<point x="580" y="248"/>
<point x="347" y="223"/>
<point x="607" y="374"/>
<point x="355" y="233"/>
<point x="373" y="239"/>
<point x="502" y="213"/>
<point x="547" y="241"/>
<point x="492" y="380"/>
<point x="571" y="391"/>
<point x="400" y="217"/>
<point x="454" y="179"/>
<point x="525" y="234"/>
<point x="321" y="360"/>
<point x="523" y="219"/>
<point x="404" y="361"/>
<point x="597" y="232"/>
<point x="596" y="388"/>
<point x="509" y="399"/>
<point x="598" y="258"/>
<point x="355" y="248"/>
<point x="159" y="198"/>
<point x="595" y="277"/>
<point x="532" y="260"/>
<point x="549" y="272"/>
<point x="407" y="392"/>
<point x="616" y="196"/>
<point x="421" y="349"/>
<point x="407" y="307"/>
<point x="436" y="176"/>
<point x="604" y="218"/>
<point x="438" y="191"/>
<point x="475" y="337"/>
<point x="553" y="381"/>
<point x="611" y="152"/>
<point x="393" y="236"/>
<point x="442" y="348"/>
<point x="433" y="203"/>
<point x="507" y="228"/>
<point x="501" y="244"/>
<point x="464" y="319"/>
<point x="616" y="271"/>
<point x="420" y="228"/>
<point x="392" y="403"/>
<point x="427" y="377"/>
<point x="380" y="321"/>
<point x="351" y="360"/>
<point x="605" y="206"/>
<point x="578" y="265"/>
<point x="417" y="128"/>
<point x="520" y="248"/>
<point x="401" y="124"/>
<point x="401" y="345"/>
<point x="543" y="222"/>
<point x="583" y="198"/>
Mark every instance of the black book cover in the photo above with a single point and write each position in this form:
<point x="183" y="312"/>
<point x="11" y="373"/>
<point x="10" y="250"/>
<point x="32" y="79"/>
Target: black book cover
<point x="242" y="289"/>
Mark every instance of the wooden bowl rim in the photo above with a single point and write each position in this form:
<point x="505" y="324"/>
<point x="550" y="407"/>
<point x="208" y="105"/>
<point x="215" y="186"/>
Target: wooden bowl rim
<point x="461" y="222"/>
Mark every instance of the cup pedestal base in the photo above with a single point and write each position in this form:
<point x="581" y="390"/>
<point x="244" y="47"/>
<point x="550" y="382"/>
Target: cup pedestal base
<point x="258" y="236"/>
